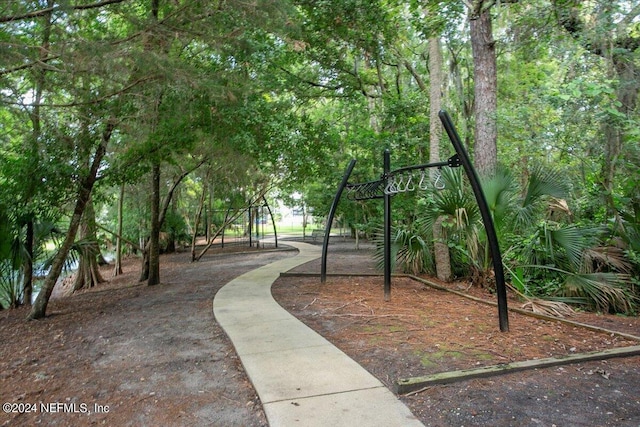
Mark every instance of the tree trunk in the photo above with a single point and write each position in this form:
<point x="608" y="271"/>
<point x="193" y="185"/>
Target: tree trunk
<point x="33" y="150"/>
<point x="441" y="251"/>
<point x="88" y="274"/>
<point x="628" y="74"/>
<point x="144" y="271"/>
<point x="485" y="91"/>
<point x="118" y="256"/>
<point x="154" y="239"/>
<point x="465" y="101"/>
<point x="435" y="99"/>
<point x="201" y="205"/>
<point x="209" y="226"/>
<point x="160" y="213"/>
<point x="440" y="247"/>
<point x="617" y="48"/>
<point x="27" y="269"/>
<point x="39" y="308"/>
<point x="612" y="148"/>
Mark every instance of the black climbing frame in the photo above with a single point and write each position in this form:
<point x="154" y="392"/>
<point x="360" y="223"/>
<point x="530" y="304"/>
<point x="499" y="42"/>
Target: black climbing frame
<point x="400" y="180"/>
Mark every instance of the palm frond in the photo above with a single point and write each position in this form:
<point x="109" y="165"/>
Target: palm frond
<point x="499" y="191"/>
<point x="573" y="240"/>
<point x="558" y="207"/>
<point x="544" y="181"/>
<point x="606" y="256"/>
<point x="543" y="306"/>
<point x="606" y="292"/>
<point x="413" y="255"/>
<point x="410" y="252"/>
<point x="548" y="307"/>
<point x="524" y="216"/>
<point x="11" y="292"/>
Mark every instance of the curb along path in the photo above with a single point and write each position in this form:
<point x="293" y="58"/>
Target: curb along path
<point x="301" y="378"/>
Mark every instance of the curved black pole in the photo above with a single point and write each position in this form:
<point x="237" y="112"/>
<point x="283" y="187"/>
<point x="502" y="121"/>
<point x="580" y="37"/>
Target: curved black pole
<point x="332" y="213"/>
<point x="273" y="220"/>
<point x="501" y="290"/>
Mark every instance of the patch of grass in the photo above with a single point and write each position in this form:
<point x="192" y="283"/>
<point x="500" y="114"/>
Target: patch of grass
<point x="428" y="321"/>
<point x="376" y="340"/>
<point x="483" y="356"/>
<point x="427" y="363"/>
<point x="430" y="359"/>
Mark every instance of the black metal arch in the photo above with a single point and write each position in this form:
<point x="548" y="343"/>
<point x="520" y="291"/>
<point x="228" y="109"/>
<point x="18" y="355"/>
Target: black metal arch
<point x="376" y="190"/>
<point x="332" y="213"/>
<point x="492" y="238"/>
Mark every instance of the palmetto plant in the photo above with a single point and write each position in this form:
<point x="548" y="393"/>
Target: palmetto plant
<point x="10" y="272"/>
<point x="412" y="247"/>
<point x="560" y="259"/>
<point x="546" y="255"/>
<point x="411" y="252"/>
<point x="557" y="258"/>
<point x="13" y="255"/>
<point x="11" y="291"/>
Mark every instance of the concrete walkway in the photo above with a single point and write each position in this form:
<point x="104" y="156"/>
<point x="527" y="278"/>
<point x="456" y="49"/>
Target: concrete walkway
<point x="301" y="378"/>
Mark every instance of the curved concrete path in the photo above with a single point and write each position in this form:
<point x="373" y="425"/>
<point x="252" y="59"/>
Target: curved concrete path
<point x="301" y="378"/>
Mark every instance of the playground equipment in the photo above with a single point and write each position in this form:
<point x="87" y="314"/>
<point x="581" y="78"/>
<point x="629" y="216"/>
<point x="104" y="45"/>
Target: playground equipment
<point x="403" y="180"/>
<point x="254" y="207"/>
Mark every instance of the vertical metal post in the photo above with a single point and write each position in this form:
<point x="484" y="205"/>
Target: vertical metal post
<point x="387" y="227"/>
<point x="250" y="227"/>
<point x="332" y="213"/>
<point x="224" y="226"/>
<point x="256" y="220"/>
<point x="501" y="289"/>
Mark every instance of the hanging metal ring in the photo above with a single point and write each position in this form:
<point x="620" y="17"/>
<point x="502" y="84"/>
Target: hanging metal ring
<point x="409" y="186"/>
<point x="424" y="182"/>
<point x="439" y="182"/>
<point x="391" y="187"/>
<point x="399" y="183"/>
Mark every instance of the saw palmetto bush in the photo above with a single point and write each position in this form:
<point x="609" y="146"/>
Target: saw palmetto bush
<point x="550" y="257"/>
<point x="11" y="292"/>
<point x="545" y="254"/>
<point x="412" y="241"/>
<point x="560" y="264"/>
<point x="13" y="256"/>
<point x="411" y="250"/>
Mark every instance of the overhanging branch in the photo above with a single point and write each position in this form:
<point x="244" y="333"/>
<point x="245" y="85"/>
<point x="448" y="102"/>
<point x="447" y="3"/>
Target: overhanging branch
<point x="43" y="12"/>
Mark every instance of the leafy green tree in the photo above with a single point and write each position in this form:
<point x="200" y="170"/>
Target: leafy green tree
<point x="71" y="102"/>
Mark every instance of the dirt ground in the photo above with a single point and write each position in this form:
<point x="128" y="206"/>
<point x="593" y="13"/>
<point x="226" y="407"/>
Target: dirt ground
<point x="127" y="354"/>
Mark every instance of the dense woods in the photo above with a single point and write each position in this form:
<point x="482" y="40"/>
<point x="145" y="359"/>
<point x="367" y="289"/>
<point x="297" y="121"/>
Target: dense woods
<point x="130" y="123"/>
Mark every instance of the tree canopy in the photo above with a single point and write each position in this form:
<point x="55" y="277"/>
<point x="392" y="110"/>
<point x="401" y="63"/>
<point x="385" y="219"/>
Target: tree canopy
<point x="175" y="106"/>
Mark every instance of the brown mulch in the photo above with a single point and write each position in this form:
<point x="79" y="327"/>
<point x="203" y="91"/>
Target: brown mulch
<point x="437" y="330"/>
<point x="422" y="331"/>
